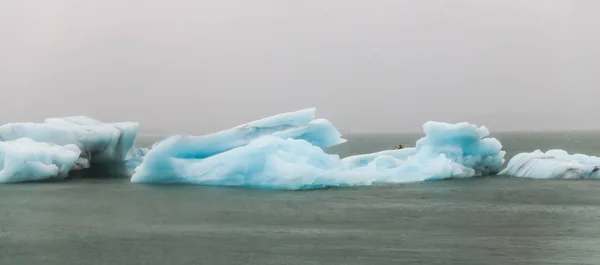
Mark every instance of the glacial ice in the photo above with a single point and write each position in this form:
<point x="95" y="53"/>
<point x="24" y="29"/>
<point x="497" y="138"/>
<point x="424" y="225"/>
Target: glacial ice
<point x="554" y="164"/>
<point x="27" y="160"/>
<point x="286" y="152"/>
<point x="298" y="125"/>
<point x="157" y="162"/>
<point x="135" y="158"/>
<point x="100" y="143"/>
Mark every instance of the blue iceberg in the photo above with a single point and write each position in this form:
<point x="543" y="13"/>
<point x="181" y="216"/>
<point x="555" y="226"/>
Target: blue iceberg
<point x="27" y="160"/>
<point x="297" y="125"/>
<point x="553" y="164"/>
<point x="159" y="163"/>
<point x="447" y="151"/>
<point x="286" y="152"/>
<point x="102" y="144"/>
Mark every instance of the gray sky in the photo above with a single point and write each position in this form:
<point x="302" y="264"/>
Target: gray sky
<point x="195" y="66"/>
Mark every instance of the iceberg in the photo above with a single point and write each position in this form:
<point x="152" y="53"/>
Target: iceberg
<point x="286" y="152"/>
<point x="553" y="164"/>
<point x="297" y="125"/>
<point x="158" y="162"/>
<point x="27" y="160"/>
<point x="101" y="144"/>
<point x="446" y="151"/>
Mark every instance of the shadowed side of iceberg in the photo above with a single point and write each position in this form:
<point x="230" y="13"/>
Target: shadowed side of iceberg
<point x="462" y="143"/>
<point x="105" y="145"/>
<point x="553" y="164"/>
<point x="24" y="160"/>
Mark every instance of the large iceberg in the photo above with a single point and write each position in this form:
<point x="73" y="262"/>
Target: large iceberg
<point x="161" y="161"/>
<point x="27" y="160"/>
<point x="554" y="164"/>
<point x="286" y="152"/>
<point x="105" y="145"/>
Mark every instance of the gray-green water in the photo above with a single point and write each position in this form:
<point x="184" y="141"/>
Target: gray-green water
<point x="480" y="221"/>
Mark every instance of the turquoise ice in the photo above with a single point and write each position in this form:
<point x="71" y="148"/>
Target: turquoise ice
<point x="286" y="152"/>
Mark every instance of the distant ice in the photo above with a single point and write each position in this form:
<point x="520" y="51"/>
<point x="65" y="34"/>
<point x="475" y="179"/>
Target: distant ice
<point x="27" y="160"/>
<point x="286" y="152"/>
<point x="102" y="144"/>
<point x="554" y="164"/>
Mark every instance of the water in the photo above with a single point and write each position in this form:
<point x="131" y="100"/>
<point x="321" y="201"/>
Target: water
<point x="481" y="221"/>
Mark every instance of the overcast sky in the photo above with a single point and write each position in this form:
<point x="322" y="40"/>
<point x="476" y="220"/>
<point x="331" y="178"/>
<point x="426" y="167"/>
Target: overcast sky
<point x="195" y="66"/>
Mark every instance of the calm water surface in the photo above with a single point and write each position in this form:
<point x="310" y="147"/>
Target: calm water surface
<point x="481" y="221"/>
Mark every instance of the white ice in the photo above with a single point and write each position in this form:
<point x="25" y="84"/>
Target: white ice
<point x="27" y="160"/>
<point x="554" y="164"/>
<point x="100" y="143"/>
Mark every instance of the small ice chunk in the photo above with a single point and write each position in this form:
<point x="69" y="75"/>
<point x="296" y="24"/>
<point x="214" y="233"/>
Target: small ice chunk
<point x="554" y="164"/>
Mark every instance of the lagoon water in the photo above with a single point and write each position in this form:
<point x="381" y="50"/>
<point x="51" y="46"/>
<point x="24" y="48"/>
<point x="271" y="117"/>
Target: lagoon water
<point x="492" y="220"/>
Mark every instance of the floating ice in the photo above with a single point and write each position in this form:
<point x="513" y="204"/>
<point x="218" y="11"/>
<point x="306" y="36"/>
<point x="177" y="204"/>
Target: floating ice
<point x="157" y="163"/>
<point x="100" y="143"/>
<point x="365" y="159"/>
<point x="447" y="151"/>
<point x="554" y="164"/>
<point x="135" y="158"/>
<point x="269" y="154"/>
<point x="27" y="160"/>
